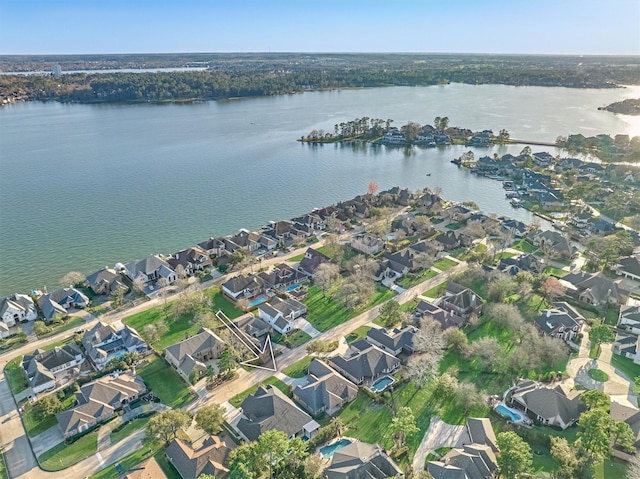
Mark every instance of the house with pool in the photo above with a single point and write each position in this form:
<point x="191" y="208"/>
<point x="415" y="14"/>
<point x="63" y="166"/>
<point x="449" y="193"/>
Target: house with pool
<point x="325" y="390"/>
<point x="364" y="362"/>
<point x="357" y="460"/>
<point x="548" y="406"/>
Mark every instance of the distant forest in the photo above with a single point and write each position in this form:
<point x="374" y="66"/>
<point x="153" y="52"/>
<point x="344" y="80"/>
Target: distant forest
<point x="242" y="75"/>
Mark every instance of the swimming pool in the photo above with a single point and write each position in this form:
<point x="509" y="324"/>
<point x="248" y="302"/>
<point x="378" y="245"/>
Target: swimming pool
<point x="292" y="287"/>
<point x="259" y="300"/>
<point x="381" y="384"/>
<point x="328" y="451"/>
<point x="510" y="413"/>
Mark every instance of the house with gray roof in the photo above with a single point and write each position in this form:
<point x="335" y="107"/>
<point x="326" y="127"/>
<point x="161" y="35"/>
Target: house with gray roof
<point x="281" y="313"/>
<point x="283" y="277"/>
<point x="244" y="287"/>
<point x="17" y="307"/>
<point x="628" y="267"/>
<point x="252" y="325"/>
<point x="150" y="269"/>
<point x="105" y="281"/>
<point x="562" y="321"/>
<point x="524" y="262"/>
<point x="99" y="400"/>
<point x="191" y="356"/>
<point x="207" y="456"/>
<point x="269" y="408"/>
<point x="626" y="345"/>
<point x="630" y="415"/>
<point x="360" y="460"/>
<point x="446" y="319"/>
<point x="60" y="301"/>
<point x="552" y="239"/>
<point x="550" y="407"/>
<point x="325" y="390"/>
<point x="461" y="301"/>
<point x="190" y="260"/>
<point x="44" y="368"/>
<point x="595" y="289"/>
<point x="367" y="243"/>
<point x="451" y="240"/>
<point x="396" y="341"/>
<point x="311" y="260"/>
<point x="364" y="362"/>
<point x="104" y="342"/>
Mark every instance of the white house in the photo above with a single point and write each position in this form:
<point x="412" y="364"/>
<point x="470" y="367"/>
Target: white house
<point x="17" y="307"/>
<point x="281" y="313"/>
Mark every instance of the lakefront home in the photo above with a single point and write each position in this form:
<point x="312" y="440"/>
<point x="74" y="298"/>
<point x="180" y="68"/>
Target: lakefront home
<point x="60" y="301"/>
<point x="17" y="307"/>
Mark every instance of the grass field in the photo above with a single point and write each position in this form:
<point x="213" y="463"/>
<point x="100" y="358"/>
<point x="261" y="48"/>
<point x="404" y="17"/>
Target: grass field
<point x="165" y="382"/>
<point x="3" y="467"/>
<point x="444" y="264"/>
<point x="299" y="368"/>
<point x="326" y="313"/>
<point x="34" y="425"/>
<point x="64" y="455"/>
<point x="15" y="375"/>
<point x="272" y="380"/>
<point x="135" y="458"/>
<point x="524" y="246"/>
<point x="357" y="333"/>
<point x="598" y="375"/>
<point x="293" y="339"/>
<point x="411" y="279"/>
<point x="180" y="325"/>
<point x="610" y="469"/>
<point x="626" y="366"/>
<point x="128" y="429"/>
<point x="435" y="291"/>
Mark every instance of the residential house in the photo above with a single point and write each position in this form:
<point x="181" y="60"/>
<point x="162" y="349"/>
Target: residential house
<point x="626" y="345"/>
<point x="311" y="260"/>
<point x="628" y="267"/>
<point x="281" y="313"/>
<point x="149" y="270"/>
<point x="269" y="408"/>
<point x="601" y="227"/>
<point x="190" y="260"/>
<point x="283" y="277"/>
<point x="363" y="362"/>
<point x="429" y="203"/>
<point x="311" y="221"/>
<point x="281" y="231"/>
<point x="104" y="342"/>
<point x="367" y="243"/>
<point x="457" y="213"/>
<point x="60" y="301"/>
<point x="551" y="407"/>
<point x="579" y="220"/>
<point x="446" y="319"/>
<point x="553" y="240"/>
<point x="17" y="307"/>
<point x="393" y="342"/>
<point x="252" y="326"/>
<point x="190" y="356"/>
<point x="45" y="368"/>
<point x="105" y="281"/>
<point x="212" y="246"/>
<point x="325" y="389"/>
<point x="461" y="301"/>
<point x="514" y="227"/>
<point x="595" y="168"/>
<point x="360" y="460"/>
<point x="99" y="400"/>
<point x="562" y="321"/>
<point x="543" y="159"/>
<point x="149" y="469"/>
<point x="451" y="240"/>
<point x="403" y="261"/>
<point x="595" y="289"/>
<point x="4" y="330"/>
<point x="208" y="455"/>
<point x="524" y="262"/>
<point x="569" y="164"/>
<point x="630" y="415"/>
<point x="243" y="286"/>
<point x="629" y="319"/>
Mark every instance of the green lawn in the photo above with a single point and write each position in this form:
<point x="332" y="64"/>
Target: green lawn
<point x="504" y="255"/>
<point x="180" y="325"/>
<point x="34" y="425"/>
<point x="272" y="380"/>
<point x="411" y="279"/>
<point x="296" y="259"/>
<point x="626" y="366"/>
<point x="611" y="315"/>
<point x="128" y="429"/>
<point x="15" y="375"/>
<point x="553" y="271"/>
<point x="598" y="375"/>
<point x="135" y="458"/>
<point x="165" y="382"/>
<point x="435" y="291"/>
<point x="326" y="313"/>
<point x="444" y="264"/>
<point x="3" y="467"/>
<point x="71" y="323"/>
<point x="299" y="368"/>
<point x="595" y="351"/>
<point x="51" y="346"/>
<point x="610" y="469"/>
<point x="454" y="226"/>
<point x="524" y="246"/>
<point x="63" y="455"/>
<point x="357" y="333"/>
<point x="291" y="340"/>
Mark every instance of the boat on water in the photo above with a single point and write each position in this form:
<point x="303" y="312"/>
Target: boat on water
<point x="428" y="174"/>
<point x="515" y="202"/>
<point x="512" y="194"/>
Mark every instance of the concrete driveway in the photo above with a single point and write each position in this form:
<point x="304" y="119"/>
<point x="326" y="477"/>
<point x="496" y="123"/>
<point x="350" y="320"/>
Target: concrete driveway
<point x="46" y="440"/>
<point x="440" y="434"/>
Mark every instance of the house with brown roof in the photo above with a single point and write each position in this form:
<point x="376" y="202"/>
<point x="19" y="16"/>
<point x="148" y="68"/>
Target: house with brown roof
<point x="190" y="357"/>
<point x="149" y="469"/>
<point x="460" y="301"/>
<point x="105" y="281"/>
<point x="204" y="456"/>
<point x="311" y="260"/>
<point x="360" y="460"/>
<point x="364" y="362"/>
<point x="325" y="390"/>
<point x="446" y="319"/>
<point x="367" y="243"/>
<point x="99" y="400"/>
<point x="190" y="260"/>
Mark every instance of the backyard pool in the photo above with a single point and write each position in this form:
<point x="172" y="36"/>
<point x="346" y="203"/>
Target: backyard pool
<point x="381" y="384"/>
<point x="259" y="300"/>
<point x="328" y="451"/>
<point x="292" y="287"/>
<point x="512" y="414"/>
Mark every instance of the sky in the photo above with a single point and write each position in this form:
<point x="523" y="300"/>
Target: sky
<point x="452" y="26"/>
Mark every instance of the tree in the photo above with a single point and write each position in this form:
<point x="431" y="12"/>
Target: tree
<point x="411" y="131"/>
<point x="210" y="418"/>
<point x="601" y="334"/>
<point x="488" y="352"/>
<point x="526" y="151"/>
<point x="166" y="424"/>
<point x="390" y="313"/>
<point x="47" y="406"/>
<point x="595" y="399"/>
<point x="505" y="315"/>
<point x="468" y="396"/>
<point x="139" y="284"/>
<point x="422" y="369"/>
<point x="551" y="289"/>
<point x="429" y="338"/>
<point x="72" y="278"/>
<point x="403" y="425"/>
<point x="422" y="225"/>
<point x="636" y="385"/>
<point x="324" y="276"/>
<point x="321" y="347"/>
<point x="566" y="456"/>
<point x="373" y="188"/>
<point x="334" y="250"/>
<point x="154" y="332"/>
<point x="515" y="458"/>
<point x="622" y="436"/>
<point x="503" y="136"/>
<point x="456" y="340"/>
<point x="595" y="436"/>
<point x="117" y="297"/>
<point x="313" y="466"/>
<point x="239" y="258"/>
<point x="40" y="328"/>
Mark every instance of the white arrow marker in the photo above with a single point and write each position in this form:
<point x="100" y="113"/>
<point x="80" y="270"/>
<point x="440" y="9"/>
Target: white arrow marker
<point x="269" y="362"/>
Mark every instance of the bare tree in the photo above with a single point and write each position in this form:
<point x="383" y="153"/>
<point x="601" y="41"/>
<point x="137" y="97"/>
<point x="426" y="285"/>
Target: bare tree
<point x="488" y="352"/>
<point x="139" y="284"/>
<point x="356" y="291"/>
<point x="429" y="338"/>
<point x="423" y="368"/>
<point x="181" y="273"/>
<point x="505" y="315"/>
<point x="324" y="276"/>
<point x="71" y="279"/>
<point x="423" y="225"/>
<point x="360" y="264"/>
<point x="475" y="229"/>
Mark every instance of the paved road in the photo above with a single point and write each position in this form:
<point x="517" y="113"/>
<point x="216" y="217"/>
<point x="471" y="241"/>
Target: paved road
<point x="440" y="434"/>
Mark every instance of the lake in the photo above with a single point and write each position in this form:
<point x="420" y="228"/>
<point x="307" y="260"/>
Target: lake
<point x="85" y="186"/>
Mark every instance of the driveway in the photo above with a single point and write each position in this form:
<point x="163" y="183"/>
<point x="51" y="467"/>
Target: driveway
<point x="46" y="440"/>
<point x="307" y="327"/>
<point x="440" y="434"/>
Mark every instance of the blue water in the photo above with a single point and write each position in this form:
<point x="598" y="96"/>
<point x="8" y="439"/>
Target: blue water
<point x="292" y="287"/>
<point x="258" y="300"/>
<point x="381" y="384"/>
<point x="502" y="409"/>
<point x="328" y="451"/>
